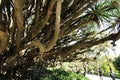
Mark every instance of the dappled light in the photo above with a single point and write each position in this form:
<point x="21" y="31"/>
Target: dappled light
<point x="58" y="39"/>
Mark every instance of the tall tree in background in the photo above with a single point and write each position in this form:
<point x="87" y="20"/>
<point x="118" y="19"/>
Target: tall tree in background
<point x="34" y="31"/>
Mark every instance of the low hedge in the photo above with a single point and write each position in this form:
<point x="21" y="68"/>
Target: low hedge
<point x="60" y="74"/>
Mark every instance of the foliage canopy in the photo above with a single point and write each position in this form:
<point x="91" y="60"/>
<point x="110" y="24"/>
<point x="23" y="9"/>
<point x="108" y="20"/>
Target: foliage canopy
<point x="116" y="63"/>
<point x="45" y="31"/>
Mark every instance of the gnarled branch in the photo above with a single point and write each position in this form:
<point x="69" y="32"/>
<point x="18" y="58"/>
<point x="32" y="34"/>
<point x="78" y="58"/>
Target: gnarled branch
<point x="52" y="42"/>
<point x="40" y="25"/>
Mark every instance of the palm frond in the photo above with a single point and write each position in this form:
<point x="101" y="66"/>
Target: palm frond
<point x="101" y="11"/>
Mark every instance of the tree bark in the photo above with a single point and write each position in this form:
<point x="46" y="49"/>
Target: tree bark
<point x="64" y="52"/>
<point x="19" y="22"/>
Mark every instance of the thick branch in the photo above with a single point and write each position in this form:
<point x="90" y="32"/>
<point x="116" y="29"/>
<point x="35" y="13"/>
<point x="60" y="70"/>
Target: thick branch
<point x="75" y="16"/>
<point x="40" y="25"/>
<point x="52" y="42"/>
<point x="80" y="45"/>
<point x="38" y="44"/>
<point x="19" y="20"/>
<point x="37" y="8"/>
<point x="3" y="41"/>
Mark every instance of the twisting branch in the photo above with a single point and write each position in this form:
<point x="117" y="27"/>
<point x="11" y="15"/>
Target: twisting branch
<point x="19" y="21"/>
<point x="40" y="25"/>
<point x="48" y="46"/>
<point x="52" y="42"/>
<point x="38" y="44"/>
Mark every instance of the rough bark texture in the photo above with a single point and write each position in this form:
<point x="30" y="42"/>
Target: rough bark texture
<point x="33" y="28"/>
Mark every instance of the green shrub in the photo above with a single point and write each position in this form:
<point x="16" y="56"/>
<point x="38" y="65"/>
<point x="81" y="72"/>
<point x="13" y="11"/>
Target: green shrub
<point x="116" y="63"/>
<point x="60" y="74"/>
<point x="42" y="73"/>
<point x="117" y="75"/>
<point x="106" y="69"/>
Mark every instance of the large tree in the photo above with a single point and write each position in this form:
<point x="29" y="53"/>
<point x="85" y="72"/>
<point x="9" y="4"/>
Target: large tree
<point x="41" y="31"/>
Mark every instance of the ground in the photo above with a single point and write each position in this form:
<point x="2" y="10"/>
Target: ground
<point x="96" y="77"/>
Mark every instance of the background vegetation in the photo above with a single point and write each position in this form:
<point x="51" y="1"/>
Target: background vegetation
<point x="47" y="32"/>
